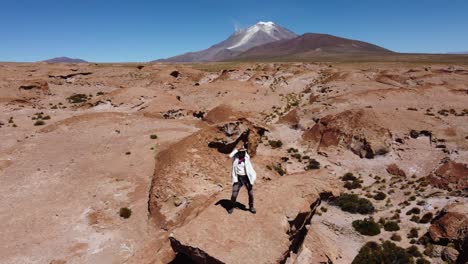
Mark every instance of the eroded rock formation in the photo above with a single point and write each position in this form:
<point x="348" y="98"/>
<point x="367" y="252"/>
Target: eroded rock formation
<point x="356" y="130"/>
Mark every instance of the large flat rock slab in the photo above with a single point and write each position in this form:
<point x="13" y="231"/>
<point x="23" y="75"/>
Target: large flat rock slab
<point x="283" y="208"/>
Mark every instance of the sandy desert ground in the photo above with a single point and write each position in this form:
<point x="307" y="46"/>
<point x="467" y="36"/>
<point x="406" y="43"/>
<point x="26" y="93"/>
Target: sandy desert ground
<point x="82" y="143"/>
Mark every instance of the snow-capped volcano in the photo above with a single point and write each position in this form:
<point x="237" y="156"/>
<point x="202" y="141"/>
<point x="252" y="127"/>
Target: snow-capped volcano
<point x="240" y="41"/>
<point x="258" y="34"/>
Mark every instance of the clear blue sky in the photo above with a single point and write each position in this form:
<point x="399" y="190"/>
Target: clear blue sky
<point x="108" y="31"/>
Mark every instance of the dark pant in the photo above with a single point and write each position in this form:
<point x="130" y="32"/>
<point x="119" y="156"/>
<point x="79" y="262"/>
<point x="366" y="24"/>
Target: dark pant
<point x="242" y="180"/>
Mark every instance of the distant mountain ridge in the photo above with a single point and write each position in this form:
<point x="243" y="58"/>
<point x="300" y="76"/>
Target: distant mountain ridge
<point x="311" y="44"/>
<point x="268" y="40"/>
<point x="65" y="60"/>
<point x="238" y="42"/>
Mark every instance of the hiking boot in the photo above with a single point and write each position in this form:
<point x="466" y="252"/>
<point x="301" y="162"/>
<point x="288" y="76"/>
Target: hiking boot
<point x="230" y="210"/>
<point x="252" y="210"/>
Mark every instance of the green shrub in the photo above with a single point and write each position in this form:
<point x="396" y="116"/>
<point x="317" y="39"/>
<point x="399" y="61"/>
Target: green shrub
<point x="367" y="227"/>
<point x="352" y="185"/>
<point x="279" y="169"/>
<point x="422" y="261"/>
<point x="391" y="226"/>
<point x="348" y="177"/>
<point x="275" y="143"/>
<point x="386" y="253"/>
<point x="380" y="196"/>
<point x="353" y="204"/>
<point x="313" y="165"/>
<point x="414" y="218"/>
<point x="414" y="251"/>
<point x="426" y="218"/>
<point x="39" y="123"/>
<point x="413" y="233"/>
<point x="125" y="212"/>
<point x="414" y="210"/>
<point x="395" y="237"/>
<point x="77" y="98"/>
<point x="153" y="136"/>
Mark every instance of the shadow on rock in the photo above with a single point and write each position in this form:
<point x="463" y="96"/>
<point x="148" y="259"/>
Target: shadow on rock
<point x="226" y="204"/>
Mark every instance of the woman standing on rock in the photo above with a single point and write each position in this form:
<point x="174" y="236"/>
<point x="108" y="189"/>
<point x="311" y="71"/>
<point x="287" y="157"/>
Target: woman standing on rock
<point x="242" y="173"/>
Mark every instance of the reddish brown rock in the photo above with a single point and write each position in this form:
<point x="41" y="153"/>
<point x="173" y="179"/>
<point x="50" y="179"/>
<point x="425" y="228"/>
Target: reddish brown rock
<point x="393" y="169"/>
<point x="291" y="119"/>
<point x="451" y="226"/>
<point x="450" y="176"/>
<point x="357" y="130"/>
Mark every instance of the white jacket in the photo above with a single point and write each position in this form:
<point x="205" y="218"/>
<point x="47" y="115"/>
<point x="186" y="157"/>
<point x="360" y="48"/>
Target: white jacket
<point x="248" y="167"/>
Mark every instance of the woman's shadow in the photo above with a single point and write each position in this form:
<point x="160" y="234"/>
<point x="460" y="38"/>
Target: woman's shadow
<point x="227" y="204"/>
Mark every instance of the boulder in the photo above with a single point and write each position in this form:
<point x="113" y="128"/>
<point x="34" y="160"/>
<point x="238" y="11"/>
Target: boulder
<point x="451" y="226"/>
<point x="284" y="208"/>
<point x="450" y="175"/>
<point x="356" y="130"/>
<point x="450" y="255"/>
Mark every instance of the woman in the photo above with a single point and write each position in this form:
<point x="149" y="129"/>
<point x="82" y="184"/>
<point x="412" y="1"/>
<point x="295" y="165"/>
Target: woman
<point x="242" y="173"/>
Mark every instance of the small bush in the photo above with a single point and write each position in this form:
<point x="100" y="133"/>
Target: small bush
<point x="367" y="227"/>
<point x="380" y="196"/>
<point x="153" y="136"/>
<point x="395" y="237"/>
<point x="77" y="98"/>
<point x="125" y="212"/>
<point x="313" y="165"/>
<point x="413" y="233"/>
<point x="279" y="169"/>
<point x="386" y="253"/>
<point x="422" y="261"/>
<point x="353" y="204"/>
<point x="414" y="251"/>
<point x="426" y="218"/>
<point x="414" y="210"/>
<point x="391" y="226"/>
<point x="348" y="177"/>
<point x="39" y="123"/>
<point x="414" y="218"/>
<point x="275" y="143"/>
<point x="352" y="185"/>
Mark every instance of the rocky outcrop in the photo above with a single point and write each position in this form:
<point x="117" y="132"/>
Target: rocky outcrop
<point x="191" y="170"/>
<point x="451" y="226"/>
<point x="450" y="176"/>
<point x="233" y="132"/>
<point x="33" y="88"/>
<point x="356" y="130"/>
<point x="393" y="169"/>
<point x="284" y="208"/>
<point x="291" y="119"/>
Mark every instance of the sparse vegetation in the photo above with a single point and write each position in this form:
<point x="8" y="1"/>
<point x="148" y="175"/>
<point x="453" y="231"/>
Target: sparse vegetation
<point x="39" y="123"/>
<point x="312" y="165"/>
<point x="426" y="218"/>
<point x="380" y="196"/>
<point x="386" y="253"/>
<point x="414" y="251"/>
<point x="367" y="227"/>
<point x="153" y="136"/>
<point x="77" y="98"/>
<point x="391" y="226"/>
<point x="125" y="212"/>
<point x="354" y="204"/>
<point x="414" y="210"/>
<point x="413" y="233"/>
<point x="395" y="237"/>
<point x="348" y="177"/>
<point x="275" y="143"/>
